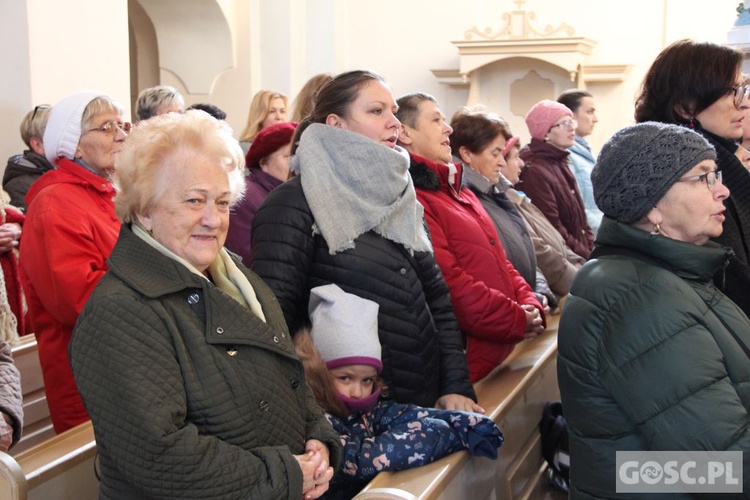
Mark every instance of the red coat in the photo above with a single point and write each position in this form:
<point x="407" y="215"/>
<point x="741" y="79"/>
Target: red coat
<point x="11" y="274"/>
<point x="486" y="290"/>
<point x="70" y="231"/>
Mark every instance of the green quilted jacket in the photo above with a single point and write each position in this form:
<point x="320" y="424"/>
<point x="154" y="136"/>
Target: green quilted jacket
<point x="190" y="394"/>
<point x="651" y="356"/>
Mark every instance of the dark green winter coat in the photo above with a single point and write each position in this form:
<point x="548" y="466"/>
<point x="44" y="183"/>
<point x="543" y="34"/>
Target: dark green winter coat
<point x="648" y="358"/>
<point x="191" y="395"/>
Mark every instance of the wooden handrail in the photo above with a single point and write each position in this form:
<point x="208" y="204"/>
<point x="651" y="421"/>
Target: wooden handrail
<point x="43" y="463"/>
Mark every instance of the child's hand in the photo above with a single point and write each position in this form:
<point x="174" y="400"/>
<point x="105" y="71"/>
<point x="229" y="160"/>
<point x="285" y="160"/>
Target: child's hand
<point x="457" y="402"/>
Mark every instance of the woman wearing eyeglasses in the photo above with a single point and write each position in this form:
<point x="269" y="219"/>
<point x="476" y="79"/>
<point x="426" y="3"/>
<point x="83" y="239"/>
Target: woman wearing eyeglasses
<point x="652" y="357"/>
<point x="548" y="181"/>
<point x="70" y="230"/>
<point x="699" y="85"/>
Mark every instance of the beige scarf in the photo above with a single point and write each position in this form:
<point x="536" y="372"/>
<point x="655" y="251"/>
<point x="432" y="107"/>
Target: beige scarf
<point x="225" y="273"/>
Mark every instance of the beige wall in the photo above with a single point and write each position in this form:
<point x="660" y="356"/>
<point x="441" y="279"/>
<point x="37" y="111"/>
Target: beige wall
<point x="59" y="47"/>
<point x="54" y="48"/>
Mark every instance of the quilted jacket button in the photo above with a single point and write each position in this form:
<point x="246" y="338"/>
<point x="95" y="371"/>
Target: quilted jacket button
<point x="295" y="384"/>
<point x="194" y="298"/>
<point x="276" y="339"/>
<point x="492" y="241"/>
<point x="219" y="330"/>
<point x="231" y="351"/>
<point x="403" y="270"/>
<point x="264" y="405"/>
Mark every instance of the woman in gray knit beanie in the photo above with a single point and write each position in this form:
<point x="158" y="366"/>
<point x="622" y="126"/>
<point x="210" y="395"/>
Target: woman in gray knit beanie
<point x="652" y="356"/>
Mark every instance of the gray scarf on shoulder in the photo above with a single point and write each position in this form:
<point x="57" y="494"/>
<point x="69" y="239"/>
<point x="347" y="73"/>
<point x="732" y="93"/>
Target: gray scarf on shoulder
<point x="354" y="185"/>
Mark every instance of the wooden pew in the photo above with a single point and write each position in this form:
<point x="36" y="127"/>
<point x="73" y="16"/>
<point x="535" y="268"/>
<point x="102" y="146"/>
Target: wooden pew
<point x="513" y="395"/>
<point x="59" y="468"/>
<point x="42" y="465"/>
<point x="37" y="425"/>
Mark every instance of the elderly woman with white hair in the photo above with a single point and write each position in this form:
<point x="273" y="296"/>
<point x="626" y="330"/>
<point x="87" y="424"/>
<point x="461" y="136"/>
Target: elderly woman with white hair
<point x="182" y="355"/>
<point x="70" y="230"/>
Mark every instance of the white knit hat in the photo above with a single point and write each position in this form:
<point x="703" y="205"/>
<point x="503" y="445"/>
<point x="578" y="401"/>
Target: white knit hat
<point x="344" y="327"/>
<point x="64" y="125"/>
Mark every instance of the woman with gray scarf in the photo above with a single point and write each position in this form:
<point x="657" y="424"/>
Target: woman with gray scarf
<point x="351" y="218"/>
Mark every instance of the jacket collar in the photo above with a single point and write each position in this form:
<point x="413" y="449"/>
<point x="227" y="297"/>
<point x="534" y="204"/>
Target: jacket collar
<point x="69" y="172"/>
<point x="542" y="150"/>
<point x="582" y="148"/>
<point x="154" y="275"/>
<point x="478" y="182"/>
<point x="693" y="262"/>
<point x="432" y="176"/>
<point x="267" y="181"/>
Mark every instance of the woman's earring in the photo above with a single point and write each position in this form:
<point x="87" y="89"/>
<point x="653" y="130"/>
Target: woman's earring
<point x="656" y="229"/>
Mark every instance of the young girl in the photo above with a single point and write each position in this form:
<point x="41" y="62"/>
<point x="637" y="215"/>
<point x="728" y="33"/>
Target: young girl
<point x="342" y="360"/>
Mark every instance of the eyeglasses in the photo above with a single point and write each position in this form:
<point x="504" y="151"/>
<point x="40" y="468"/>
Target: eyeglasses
<point x="112" y="127"/>
<point x="741" y="92"/>
<point x="38" y="108"/>
<point x="569" y="124"/>
<point x="709" y="177"/>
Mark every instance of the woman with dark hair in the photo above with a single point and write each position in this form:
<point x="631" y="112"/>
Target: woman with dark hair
<point x="582" y="159"/>
<point x="479" y="142"/>
<point x="351" y="217"/>
<point x="700" y="85"/>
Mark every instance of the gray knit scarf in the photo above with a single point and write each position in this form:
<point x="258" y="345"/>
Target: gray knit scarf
<point x="354" y="185"/>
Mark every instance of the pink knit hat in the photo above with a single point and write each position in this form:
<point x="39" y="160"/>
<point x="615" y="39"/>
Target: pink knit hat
<point x="543" y="115"/>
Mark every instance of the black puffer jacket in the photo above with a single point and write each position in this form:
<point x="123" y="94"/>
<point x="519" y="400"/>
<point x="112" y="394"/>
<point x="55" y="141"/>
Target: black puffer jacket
<point x="423" y="356"/>
<point x="735" y="280"/>
<point x="20" y="173"/>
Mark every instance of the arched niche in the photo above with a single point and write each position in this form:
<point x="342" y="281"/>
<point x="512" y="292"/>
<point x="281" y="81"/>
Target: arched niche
<point x="192" y="39"/>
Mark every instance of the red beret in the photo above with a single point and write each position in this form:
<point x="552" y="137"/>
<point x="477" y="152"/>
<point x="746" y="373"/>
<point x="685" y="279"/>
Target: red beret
<point x="268" y="141"/>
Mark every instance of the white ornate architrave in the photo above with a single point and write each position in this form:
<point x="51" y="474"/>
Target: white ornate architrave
<point x="518" y="38"/>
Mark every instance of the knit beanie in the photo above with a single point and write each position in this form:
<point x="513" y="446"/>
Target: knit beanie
<point x="64" y="125"/>
<point x="269" y="140"/>
<point x="543" y="115"/>
<point x="639" y="164"/>
<point x="344" y="327"/>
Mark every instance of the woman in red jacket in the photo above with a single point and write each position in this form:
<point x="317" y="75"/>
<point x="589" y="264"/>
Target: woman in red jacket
<point x="494" y="305"/>
<point x="70" y="230"/>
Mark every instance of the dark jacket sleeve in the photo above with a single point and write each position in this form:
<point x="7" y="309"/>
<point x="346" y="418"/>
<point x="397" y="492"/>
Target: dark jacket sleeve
<point x="138" y="385"/>
<point x="11" y="399"/>
<point x="455" y="369"/>
<point x="283" y="249"/>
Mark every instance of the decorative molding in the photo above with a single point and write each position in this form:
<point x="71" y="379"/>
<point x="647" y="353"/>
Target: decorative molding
<point x="518" y="26"/>
<point x="605" y="72"/>
<point x="451" y="77"/>
<point x="518" y="38"/>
